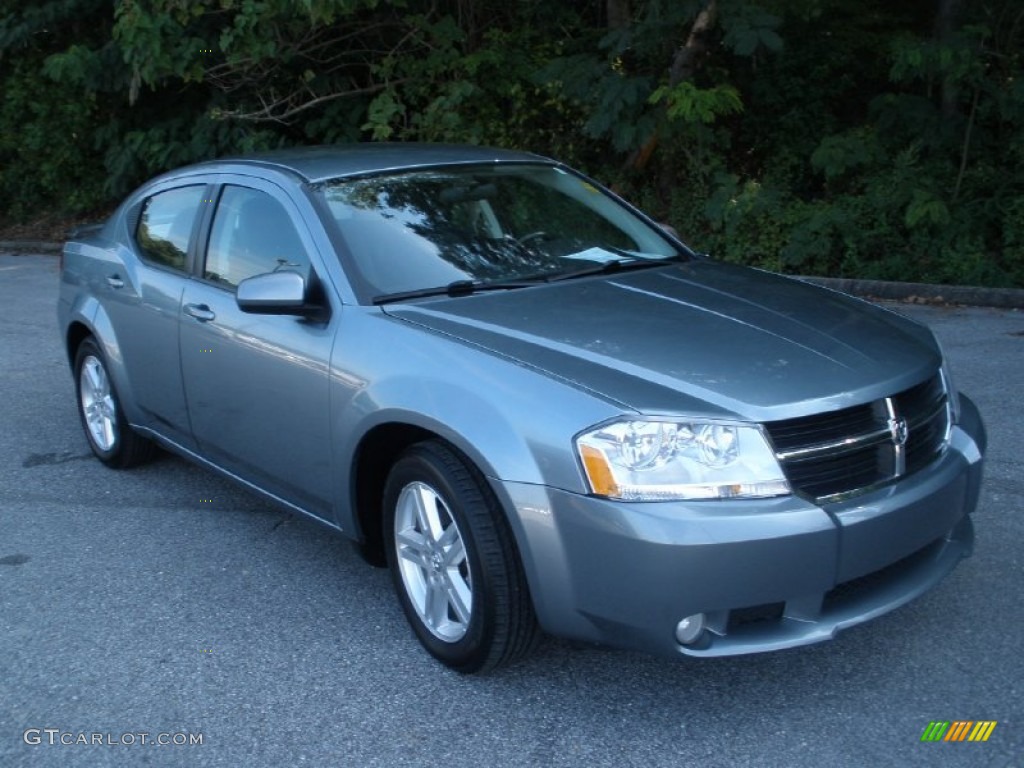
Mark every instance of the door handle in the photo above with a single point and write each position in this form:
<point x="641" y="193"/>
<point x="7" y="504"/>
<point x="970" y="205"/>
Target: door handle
<point x="200" y="312"/>
<point x="115" y="281"/>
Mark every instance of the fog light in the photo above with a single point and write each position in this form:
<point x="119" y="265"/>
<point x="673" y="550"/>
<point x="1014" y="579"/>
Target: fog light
<point x="690" y="629"/>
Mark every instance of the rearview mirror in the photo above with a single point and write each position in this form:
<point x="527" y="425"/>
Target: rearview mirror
<point x="670" y="229"/>
<point x="274" y="293"/>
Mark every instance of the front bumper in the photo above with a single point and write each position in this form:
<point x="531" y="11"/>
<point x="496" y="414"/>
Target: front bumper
<point x="767" y="574"/>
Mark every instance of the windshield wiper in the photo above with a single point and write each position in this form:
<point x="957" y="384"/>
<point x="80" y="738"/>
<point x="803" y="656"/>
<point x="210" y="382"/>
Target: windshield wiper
<point x="459" y="288"/>
<point x="468" y="287"/>
<point x="619" y="265"/>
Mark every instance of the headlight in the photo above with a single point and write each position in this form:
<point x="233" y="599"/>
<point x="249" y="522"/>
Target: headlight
<point x="671" y="460"/>
<point x="952" y="402"/>
<point x="951" y="394"/>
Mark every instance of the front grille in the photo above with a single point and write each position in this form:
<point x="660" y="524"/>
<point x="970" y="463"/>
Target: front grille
<point x="924" y="408"/>
<point x="864" y="446"/>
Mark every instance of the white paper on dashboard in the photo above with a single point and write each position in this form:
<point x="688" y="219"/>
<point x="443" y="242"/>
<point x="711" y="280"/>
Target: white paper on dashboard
<point x="600" y="255"/>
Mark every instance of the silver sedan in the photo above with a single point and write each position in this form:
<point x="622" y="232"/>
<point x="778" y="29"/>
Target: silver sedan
<point x="538" y="407"/>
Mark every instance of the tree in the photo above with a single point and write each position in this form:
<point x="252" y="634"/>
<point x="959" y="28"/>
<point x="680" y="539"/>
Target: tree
<point x="835" y="136"/>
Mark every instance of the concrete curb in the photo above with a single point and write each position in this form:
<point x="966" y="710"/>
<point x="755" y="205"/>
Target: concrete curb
<point x="919" y="293"/>
<point x="924" y="293"/>
<point x="29" y="247"/>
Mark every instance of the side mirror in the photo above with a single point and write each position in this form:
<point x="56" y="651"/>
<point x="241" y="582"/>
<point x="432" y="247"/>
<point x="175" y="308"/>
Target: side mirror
<point x="275" y="293"/>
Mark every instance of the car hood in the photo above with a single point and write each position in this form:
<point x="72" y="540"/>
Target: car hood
<point x="700" y="337"/>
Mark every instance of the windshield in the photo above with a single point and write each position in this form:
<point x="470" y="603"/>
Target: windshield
<point x="483" y="224"/>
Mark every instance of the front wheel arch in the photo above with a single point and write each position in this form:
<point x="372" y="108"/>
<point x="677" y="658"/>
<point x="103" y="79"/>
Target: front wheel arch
<point x="77" y="333"/>
<point x="501" y="626"/>
<point x="378" y="451"/>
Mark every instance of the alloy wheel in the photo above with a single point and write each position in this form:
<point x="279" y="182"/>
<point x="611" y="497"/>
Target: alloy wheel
<point x="432" y="561"/>
<point x="98" y="405"/>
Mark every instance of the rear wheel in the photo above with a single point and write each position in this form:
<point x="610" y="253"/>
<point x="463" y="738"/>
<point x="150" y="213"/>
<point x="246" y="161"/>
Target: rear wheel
<point x="454" y="562"/>
<point x="114" y="442"/>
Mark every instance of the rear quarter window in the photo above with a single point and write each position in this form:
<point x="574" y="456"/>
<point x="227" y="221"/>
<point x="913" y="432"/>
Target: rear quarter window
<point x="165" y="225"/>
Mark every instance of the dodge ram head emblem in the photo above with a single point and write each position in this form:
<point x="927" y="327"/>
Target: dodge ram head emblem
<point x="899" y="431"/>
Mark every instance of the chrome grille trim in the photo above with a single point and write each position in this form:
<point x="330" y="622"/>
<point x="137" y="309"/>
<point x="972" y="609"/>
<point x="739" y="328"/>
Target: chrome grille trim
<point x="838" y="454"/>
<point x="921" y="420"/>
<point x="835" y="448"/>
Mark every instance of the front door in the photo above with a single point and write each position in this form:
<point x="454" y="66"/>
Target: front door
<point x="257" y="385"/>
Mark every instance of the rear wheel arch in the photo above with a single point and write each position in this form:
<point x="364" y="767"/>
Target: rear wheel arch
<point x="93" y="322"/>
<point x="110" y="436"/>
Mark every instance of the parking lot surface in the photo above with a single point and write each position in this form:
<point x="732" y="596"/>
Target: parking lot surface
<point x="167" y="601"/>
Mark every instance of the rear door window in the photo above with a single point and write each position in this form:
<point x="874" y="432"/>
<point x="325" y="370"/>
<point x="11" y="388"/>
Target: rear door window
<point x="165" y="226"/>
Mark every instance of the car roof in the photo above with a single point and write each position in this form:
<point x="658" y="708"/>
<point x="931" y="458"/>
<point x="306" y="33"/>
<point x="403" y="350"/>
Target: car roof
<point x="321" y="163"/>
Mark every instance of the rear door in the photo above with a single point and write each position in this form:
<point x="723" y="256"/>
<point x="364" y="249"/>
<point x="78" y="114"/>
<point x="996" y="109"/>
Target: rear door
<point x="143" y="299"/>
<point x="257" y="385"/>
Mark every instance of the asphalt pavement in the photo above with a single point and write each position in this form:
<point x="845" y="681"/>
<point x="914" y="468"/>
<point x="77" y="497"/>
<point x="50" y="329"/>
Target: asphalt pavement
<point x="166" y="601"/>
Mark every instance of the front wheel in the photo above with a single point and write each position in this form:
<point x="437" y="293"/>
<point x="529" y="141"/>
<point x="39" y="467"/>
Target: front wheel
<point x="454" y="562"/>
<point x="113" y="441"/>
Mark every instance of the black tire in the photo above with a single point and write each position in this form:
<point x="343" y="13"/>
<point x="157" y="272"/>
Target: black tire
<point x="122" y="447"/>
<point x="501" y="626"/>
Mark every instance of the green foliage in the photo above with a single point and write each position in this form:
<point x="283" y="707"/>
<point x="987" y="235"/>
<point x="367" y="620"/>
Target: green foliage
<point x="42" y="169"/>
<point x="842" y="154"/>
<point x="843" y="137"/>
<point x="687" y="102"/>
<point x="921" y="182"/>
<point x="749" y="28"/>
